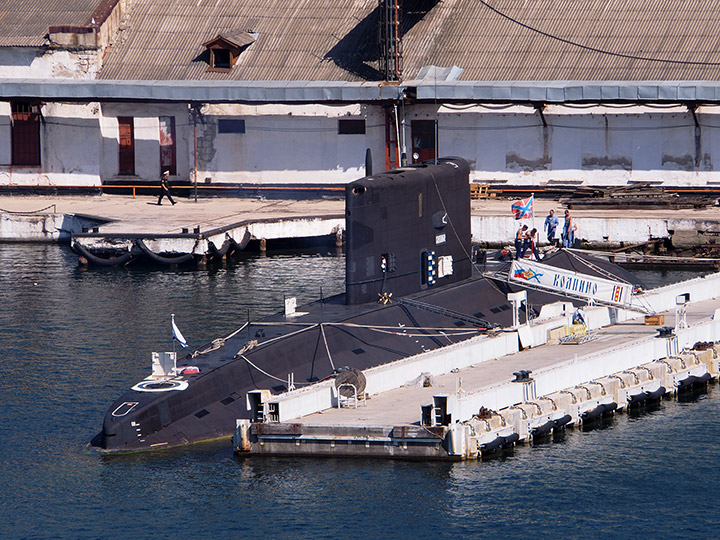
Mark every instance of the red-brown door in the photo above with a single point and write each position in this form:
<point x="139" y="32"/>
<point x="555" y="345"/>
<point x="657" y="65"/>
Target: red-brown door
<point x="167" y="145"/>
<point x="423" y="140"/>
<point x="126" y="148"/>
<point x="25" y="134"/>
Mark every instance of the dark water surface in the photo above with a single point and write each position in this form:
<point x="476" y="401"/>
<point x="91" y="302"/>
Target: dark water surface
<point x="73" y="340"/>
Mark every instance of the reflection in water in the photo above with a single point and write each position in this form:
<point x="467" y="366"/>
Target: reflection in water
<point x="74" y="339"/>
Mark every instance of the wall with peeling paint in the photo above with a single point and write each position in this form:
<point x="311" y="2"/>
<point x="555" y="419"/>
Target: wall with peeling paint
<point x="291" y="144"/>
<point x="288" y="144"/>
<point x="591" y="145"/>
<point x="30" y="62"/>
<point x="69" y="147"/>
<point x="147" y="140"/>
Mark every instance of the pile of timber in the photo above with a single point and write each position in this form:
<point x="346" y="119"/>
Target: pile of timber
<point x="644" y="194"/>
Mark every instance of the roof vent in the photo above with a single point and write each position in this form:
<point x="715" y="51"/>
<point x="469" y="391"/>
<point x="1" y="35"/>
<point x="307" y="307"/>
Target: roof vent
<point x="439" y="73"/>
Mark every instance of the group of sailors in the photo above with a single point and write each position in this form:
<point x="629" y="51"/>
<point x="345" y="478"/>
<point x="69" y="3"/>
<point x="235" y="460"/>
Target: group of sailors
<point x="527" y="239"/>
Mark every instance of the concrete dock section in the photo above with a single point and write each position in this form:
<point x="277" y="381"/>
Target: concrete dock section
<point x="115" y="220"/>
<point x="113" y="229"/>
<point x="487" y="393"/>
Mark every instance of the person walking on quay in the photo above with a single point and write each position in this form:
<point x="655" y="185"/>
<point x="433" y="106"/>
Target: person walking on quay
<point x="551" y="223"/>
<point x="569" y="228"/>
<point x="520" y="236"/>
<point x="165" y="188"/>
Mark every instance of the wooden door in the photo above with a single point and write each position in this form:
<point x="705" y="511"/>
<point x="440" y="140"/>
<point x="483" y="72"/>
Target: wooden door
<point x="25" y="134"/>
<point x="126" y="147"/>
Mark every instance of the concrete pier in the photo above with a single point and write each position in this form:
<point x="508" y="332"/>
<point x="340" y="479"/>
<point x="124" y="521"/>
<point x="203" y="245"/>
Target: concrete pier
<point x="118" y="228"/>
<point x="474" y="397"/>
<point x="119" y="218"/>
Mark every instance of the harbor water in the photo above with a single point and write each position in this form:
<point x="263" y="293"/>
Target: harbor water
<point x="74" y="339"/>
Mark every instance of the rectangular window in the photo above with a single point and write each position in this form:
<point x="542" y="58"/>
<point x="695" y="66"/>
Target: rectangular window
<point x="168" y="152"/>
<point x="126" y="146"/>
<point x="25" y="134"/>
<point x="220" y="59"/>
<point x="231" y="125"/>
<point x="354" y="126"/>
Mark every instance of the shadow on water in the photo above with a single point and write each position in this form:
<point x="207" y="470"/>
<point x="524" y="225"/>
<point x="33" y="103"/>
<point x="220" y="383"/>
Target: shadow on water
<point x="694" y="395"/>
<point x="646" y="409"/>
<point x="211" y="265"/>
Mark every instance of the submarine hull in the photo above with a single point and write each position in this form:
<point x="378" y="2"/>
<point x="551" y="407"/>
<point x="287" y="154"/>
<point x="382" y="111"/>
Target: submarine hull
<point x="408" y="267"/>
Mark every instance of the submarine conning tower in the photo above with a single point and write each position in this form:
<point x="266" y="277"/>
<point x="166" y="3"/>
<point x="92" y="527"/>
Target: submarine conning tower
<point x="408" y="230"/>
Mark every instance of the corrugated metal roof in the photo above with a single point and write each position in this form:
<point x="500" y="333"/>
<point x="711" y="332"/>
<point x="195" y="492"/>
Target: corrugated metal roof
<point x="490" y="40"/>
<point x="336" y="40"/>
<point x="200" y="91"/>
<point x="570" y="39"/>
<point x="25" y="23"/>
<point x="296" y="39"/>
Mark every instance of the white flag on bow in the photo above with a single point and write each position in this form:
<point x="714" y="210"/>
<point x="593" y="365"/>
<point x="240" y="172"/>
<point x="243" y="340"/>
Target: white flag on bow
<point x="176" y="332"/>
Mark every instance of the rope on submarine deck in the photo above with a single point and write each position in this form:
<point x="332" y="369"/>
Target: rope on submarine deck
<point x="240" y="354"/>
<point x="442" y="329"/>
<point x="266" y="373"/>
<point x="327" y="349"/>
<point x="219" y="342"/>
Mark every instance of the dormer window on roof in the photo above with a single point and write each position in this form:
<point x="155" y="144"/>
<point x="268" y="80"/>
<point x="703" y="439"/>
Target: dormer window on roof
<point x="224" y="50"/>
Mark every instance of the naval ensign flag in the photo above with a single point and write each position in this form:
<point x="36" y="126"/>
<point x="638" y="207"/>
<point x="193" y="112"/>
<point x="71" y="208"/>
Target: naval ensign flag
<point x="176" y="332"/>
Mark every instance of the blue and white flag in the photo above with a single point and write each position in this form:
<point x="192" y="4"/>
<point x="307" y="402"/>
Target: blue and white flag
<point x="176" y="332"/>
<point x="523" y="208"/>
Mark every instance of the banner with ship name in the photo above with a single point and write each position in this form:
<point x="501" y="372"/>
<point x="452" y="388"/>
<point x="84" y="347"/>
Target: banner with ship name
<point x="564" y="281"/>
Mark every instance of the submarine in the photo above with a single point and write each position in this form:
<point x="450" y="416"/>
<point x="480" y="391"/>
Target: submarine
<point x="410" y="286"/>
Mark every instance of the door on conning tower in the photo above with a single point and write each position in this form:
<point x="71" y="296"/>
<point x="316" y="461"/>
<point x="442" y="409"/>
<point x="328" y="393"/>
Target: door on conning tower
<point x="423" y="140"/>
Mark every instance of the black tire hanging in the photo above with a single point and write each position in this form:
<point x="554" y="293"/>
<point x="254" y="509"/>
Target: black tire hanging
<point x="101" y="261"/>
<point x="180" y="259"/>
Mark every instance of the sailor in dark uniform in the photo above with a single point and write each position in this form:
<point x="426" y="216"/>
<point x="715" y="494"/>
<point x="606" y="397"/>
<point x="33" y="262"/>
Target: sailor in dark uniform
<point x="165" y="188"/>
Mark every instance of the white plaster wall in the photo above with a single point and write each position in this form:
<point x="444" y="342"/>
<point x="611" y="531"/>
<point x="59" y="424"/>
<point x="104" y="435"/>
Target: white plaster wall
<point x="501" y="229"/>
<point x="5" y="134"/>
<point x="581" y="145"/>
<point x="33" y="63"/>
<point x="300" y="144"/>
<point x="147" y="139"/>
<point x="69" y="147"/>
<point x="494" y="229"/>
<point x="289" y="144"/>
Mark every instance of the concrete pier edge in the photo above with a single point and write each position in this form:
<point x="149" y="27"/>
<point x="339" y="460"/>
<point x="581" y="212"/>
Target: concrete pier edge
<point x="637" y="364"/>
<point x="119" y="217"/>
